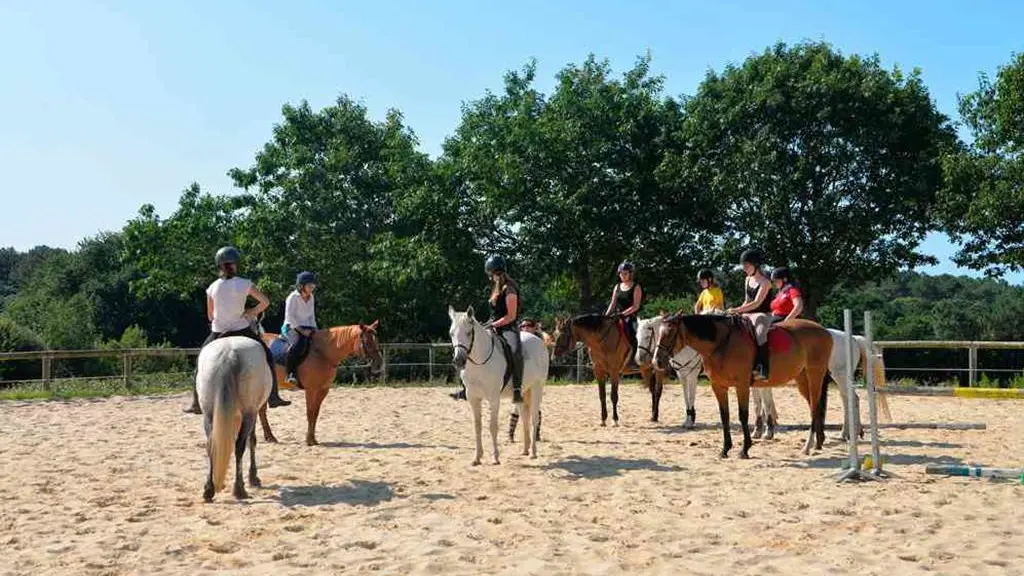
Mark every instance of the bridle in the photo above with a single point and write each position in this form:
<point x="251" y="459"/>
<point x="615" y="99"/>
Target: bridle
<point x="472" y="342"/>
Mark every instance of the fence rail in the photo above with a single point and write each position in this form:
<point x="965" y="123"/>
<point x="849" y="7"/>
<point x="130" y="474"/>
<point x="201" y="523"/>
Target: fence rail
<point x="434" y="367"/>
<point x="972" y="347"/>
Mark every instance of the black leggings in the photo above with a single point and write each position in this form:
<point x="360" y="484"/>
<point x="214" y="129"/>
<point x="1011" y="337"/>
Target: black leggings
<point x="630" y="324"/>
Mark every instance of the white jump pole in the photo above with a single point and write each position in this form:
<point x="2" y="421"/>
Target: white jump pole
<point x="872" y="390"/>
<point x="852" y="470"/>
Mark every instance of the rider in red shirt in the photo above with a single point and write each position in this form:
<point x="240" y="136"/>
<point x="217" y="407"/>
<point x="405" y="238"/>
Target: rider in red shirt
<point x="788" y="302"/>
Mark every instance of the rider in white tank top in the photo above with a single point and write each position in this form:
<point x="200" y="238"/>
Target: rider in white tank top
<point x="229" y="304"/>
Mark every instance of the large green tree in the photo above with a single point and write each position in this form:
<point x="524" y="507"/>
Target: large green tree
<point x="566" y="185"/>
<point x="983" y="206"/>
<point x="829" y="162"/>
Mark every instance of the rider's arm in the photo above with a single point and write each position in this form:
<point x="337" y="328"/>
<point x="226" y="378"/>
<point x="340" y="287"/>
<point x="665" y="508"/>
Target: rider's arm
<point x="291" y="314"/>
<point x="209" y="308"/>
<point x="696" y="306"/>
<point x="262" y="300"/>
<point x="512" y="303"/>
<point x="798" y="307"/>
<point x="611" y="304"/>
<point x="762" y="293"/>
<point x="637" y="297"/>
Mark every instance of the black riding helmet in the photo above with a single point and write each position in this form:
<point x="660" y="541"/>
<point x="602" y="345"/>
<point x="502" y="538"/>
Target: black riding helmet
<point x="705" y="274"/>
<point x="626" y="266"/>
<point x="781" y="273"/>
<point x="494" y="264"/>
<point x="305" y="278"/>
<point x="752" y="255"/>
<point x="227" y="255"/>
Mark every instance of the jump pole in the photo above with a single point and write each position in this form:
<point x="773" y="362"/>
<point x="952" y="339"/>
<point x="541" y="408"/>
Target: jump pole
<point x="852" y="470"/>
<point x="975" y="471"/>
<point x="869" y="378"/>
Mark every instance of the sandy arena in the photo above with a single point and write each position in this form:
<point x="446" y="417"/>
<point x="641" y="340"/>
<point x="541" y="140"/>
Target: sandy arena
<point x="114" y="487"/>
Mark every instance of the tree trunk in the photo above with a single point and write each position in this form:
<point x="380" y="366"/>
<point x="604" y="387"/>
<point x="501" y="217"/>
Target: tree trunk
<point x="586" y="289"/>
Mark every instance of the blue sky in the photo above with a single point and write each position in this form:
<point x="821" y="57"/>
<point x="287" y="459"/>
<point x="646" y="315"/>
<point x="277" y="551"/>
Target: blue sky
<point x="110" y="105"/>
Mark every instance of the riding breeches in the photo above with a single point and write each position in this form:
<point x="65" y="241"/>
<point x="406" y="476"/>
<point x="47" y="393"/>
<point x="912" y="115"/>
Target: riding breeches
<point x="630" y="323"/>
<point x="513" y="340"/>
<point x="761" y="322"/>
<point x="248" y="333"/>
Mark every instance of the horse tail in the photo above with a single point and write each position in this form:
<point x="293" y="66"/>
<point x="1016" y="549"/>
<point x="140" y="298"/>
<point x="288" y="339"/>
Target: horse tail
<point x="222" y="438"/>
<point x="878" y="374"/>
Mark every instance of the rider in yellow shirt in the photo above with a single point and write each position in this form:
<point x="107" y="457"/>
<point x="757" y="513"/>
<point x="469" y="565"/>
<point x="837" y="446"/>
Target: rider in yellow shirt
<point x="711" y="298"/>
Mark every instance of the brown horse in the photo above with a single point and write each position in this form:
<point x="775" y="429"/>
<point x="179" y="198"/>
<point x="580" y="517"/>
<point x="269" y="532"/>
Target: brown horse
<point x="609" y="351"/>
<point x="798" y="350"/>
<point x="316" y="373"/>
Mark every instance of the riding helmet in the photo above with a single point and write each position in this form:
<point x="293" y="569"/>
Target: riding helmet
<point x="752" y="255"/>
<point x="705" y="274"/>
<point x="626" y="266"/>
<point x="781" y="273"/>
<point x="227" y="255"/>
<point x="494" y="264"/>
<point x="305" y="278"/>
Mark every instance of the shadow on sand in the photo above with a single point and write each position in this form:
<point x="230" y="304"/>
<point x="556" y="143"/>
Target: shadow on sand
<point x="355" y="493"/>
<point x="605" y="466"/>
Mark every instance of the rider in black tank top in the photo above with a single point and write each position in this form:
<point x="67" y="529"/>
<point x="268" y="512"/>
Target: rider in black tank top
<point x="622" y="301"/>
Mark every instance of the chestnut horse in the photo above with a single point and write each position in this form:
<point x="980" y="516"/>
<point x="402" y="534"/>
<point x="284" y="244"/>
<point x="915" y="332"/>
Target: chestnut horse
<point x="609" y="351"/>
<point x="798" y="350"/>
<point x="316" y="373"/>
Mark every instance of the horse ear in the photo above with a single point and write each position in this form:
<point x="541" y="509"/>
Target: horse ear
<point x="375" y="324"/>
<point x="469" y="312"/>
<point x="451" y="312"/>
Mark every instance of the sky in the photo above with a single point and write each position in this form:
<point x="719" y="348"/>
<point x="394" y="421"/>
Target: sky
<point x="106" y="106"/>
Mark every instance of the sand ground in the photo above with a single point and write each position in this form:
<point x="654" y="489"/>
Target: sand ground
<point x="114" y="487"/>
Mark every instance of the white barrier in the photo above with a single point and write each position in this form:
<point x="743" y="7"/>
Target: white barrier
<point x="853" y="471"/>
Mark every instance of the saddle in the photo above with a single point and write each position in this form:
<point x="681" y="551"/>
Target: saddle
<point x="279" y="349"/>
<point x="506" y="349"/>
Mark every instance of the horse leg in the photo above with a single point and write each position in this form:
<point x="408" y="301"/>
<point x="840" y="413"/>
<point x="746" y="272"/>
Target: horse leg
<point x="743" y="402"/>
<point x="803" y="386"/>
<point x="818" y="386"/>
<point x="604" y="403"/>
<point x="208" y="490"/>
<point x="759" y="411"/>
<point x="615" y="399"/>
<point x="254" y="479"/>
<point x="268" y="435"/>
<point x="245" y="431"/>
<point x="769" y="413"/>
<point x="722" y="395"/>
<point x="493" y="406"/>
<point x="840" y="381"/>
<point x="314" y="399"/>
<point x="539" y="416"/>
<point x="690" y="392"/>
<point x="477" y="428"/>
<point x="652" y="385"/>
<point x="535" y="397"/>
<point x="513" y="420"/>
<point x="527" y="421"/>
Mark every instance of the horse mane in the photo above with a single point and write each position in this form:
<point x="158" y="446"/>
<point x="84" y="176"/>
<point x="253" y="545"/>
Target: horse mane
<point x="700" y="325"/>
<point x="591" y="321"/>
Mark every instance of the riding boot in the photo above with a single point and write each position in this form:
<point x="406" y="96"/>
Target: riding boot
<point x="762" y="360"/>
<point x="517" y="374"/>
<point x="275" y="399"/>
<point x="460" y="395"/>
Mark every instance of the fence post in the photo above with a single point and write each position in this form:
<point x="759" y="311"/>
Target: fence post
<point x="430" y="367"/>
<point x="384" y="364"/>
<point x="47" y="371"/>
<point x="127" y="365"/>
<point x="579" y="363"/>
<point x="972" y="366"/>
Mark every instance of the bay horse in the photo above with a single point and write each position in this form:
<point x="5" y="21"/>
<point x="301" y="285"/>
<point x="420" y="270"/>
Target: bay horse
<point x="317" y="371"/>
<point x="482" y="365"/>
<point x="233" y="382"/>
<point x="798" y="350"/>
<point x="609" y="349"/>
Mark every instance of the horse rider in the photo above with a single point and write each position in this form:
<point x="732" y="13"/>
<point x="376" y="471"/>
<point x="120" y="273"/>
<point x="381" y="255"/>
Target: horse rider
<point x="504" y="303"/>
<point x="788" y="302"/>
<point x="756" y="305"/>
<point x="299" y="322"/>
<point x="228" y="316"/>
<point x="627" y="297"/>
<point x="711" y="298"/>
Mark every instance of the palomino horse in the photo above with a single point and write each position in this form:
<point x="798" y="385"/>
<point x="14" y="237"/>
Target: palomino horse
<point x="609" y="351"/>
<point x="686" y="364"/>
<point x="482" y="365"/>
<point x="765" y="403"/>
<point x="232" y="382"/>
<point x="798" y="350"/>
<point x="316" y="373"/>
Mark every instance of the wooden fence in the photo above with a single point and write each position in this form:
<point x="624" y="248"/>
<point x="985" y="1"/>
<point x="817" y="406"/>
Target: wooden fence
<point x="971" y="346"/>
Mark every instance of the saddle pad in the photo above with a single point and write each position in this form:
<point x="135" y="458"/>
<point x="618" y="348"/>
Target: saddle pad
<point x="779" y="340"/>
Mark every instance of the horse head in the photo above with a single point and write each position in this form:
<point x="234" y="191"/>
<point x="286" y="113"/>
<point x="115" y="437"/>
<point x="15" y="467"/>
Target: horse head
<point x="370" y="346"/>
<point x="645" y="339"/>
<point x="564" y="337"/>
<point x="671" y="329"/>
<point x="462" y="333"/>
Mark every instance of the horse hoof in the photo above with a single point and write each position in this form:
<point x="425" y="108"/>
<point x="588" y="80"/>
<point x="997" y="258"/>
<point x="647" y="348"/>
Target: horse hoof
<point x="603" y="424"/>
<point x="533" y="456"/>
<point x="615" y="424"/>
<point x="724" y="454"/>
<point x="240" y="493"/>
<point x="254" y="482"/>
<point x="770" y="435"/>
<point x="744" y="456"/>
<point x="208" y="494"/>
<point x="497" y="462"/>
<point x="312" y="442"/>
<point x="475" y="463"/>
<point x="270" y="439"/>
<point x="526" y="452"/>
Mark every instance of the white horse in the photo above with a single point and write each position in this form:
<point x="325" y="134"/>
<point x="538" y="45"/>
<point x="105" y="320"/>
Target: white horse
<point x="233" y="381"/>
<point x="764" y="403"/>
<point x="686" y="364"/>
<point x="481" y="363"/>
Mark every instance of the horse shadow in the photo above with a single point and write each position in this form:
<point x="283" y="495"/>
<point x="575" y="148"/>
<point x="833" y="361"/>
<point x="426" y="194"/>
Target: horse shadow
<point x="355" y="493"/>
<point x="388" y="446"/>
<point x="594" y="467"/>
<point x="888" y="459"/>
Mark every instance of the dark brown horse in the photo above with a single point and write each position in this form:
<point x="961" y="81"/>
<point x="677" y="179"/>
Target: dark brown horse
<point x="316" y="373"/>
<point x="609" y="351"/>
<point x="798" y="350"/>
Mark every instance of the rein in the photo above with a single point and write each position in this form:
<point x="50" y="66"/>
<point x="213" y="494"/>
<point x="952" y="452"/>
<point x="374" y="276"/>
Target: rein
<point x="472" y="342"/>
